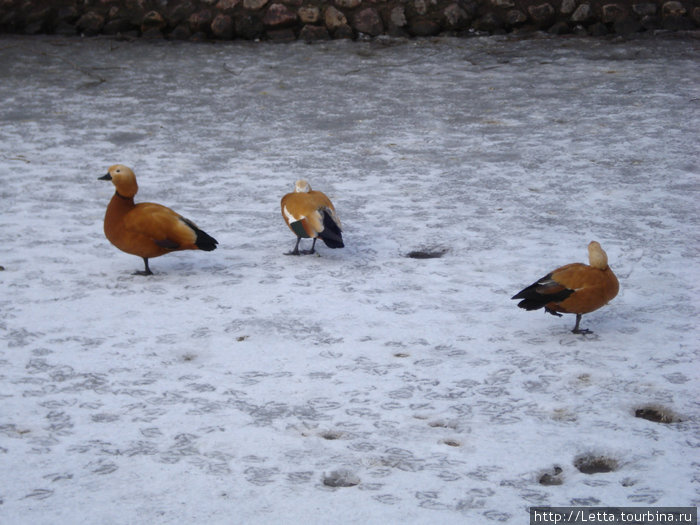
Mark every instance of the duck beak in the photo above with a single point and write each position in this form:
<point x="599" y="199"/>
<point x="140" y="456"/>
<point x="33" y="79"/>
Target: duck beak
<point x="105" y="177"/>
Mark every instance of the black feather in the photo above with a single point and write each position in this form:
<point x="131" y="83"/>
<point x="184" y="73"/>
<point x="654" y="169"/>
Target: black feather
<point x="331" y="233"/>
<point x="533" y="297"/>
<point x="204" y="241"/>
<point x="168" y="244"/>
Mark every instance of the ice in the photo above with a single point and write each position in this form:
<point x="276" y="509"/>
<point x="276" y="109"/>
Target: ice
<point x="360" y="385"/>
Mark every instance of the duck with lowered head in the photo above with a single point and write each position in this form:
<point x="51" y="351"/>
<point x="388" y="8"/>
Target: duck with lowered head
<point x="310" y="214"/>
<point x="575" y="288"/>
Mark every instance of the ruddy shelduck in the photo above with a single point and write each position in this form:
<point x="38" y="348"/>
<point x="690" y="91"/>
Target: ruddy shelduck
<point x="146" y="229"/>
<point x="575" y="288"/>
<point x="310" y="214"/>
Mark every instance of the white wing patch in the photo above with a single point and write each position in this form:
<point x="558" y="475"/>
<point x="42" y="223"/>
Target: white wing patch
<point x="291" y="218"/>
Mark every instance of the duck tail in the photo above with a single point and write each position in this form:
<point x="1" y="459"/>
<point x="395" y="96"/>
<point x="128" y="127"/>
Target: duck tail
<point x="331" y="234"/>
<point x="540" y="293"/>
<point x="204" y="241"/>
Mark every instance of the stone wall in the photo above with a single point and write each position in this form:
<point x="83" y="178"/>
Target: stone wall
<point x="315" y="20"/>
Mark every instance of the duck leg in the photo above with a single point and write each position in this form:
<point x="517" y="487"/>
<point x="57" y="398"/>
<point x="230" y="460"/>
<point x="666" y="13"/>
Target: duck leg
<point x="308" y="252"/>
<point x="147" y="271"/>
<point x="295" y="251"/>
<point x="578" y="330"/>
<point x="313" y="246"/>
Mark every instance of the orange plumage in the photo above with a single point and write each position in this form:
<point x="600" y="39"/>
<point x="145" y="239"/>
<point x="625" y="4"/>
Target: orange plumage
<point x="147" y="229"/>
<point x="310" y="214"/>
<point x="574" y="288"/>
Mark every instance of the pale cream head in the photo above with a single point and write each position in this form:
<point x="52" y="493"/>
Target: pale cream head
<point x="301" y="186"/>
<point x="124" y="180"/>
<point x="596" y="256"/>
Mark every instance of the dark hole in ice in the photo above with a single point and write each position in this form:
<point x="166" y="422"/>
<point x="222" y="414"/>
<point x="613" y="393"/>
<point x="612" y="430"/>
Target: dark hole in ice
<point x="655" y="414"/>
<point x="340" y="478"/>
<point x="551" y="478"/>
<point x="426" y="254"/>
<point x="595" y="464"/>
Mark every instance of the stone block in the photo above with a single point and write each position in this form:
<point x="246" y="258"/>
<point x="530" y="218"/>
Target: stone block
<point x="515" y="17"/>
<point x="583" y="14"/>
<point x="567" y="7"/>
<point x="227" y="5"/>
<point x="420" y="6"/>
<point x="612" y="12"/>
<point x="334" y="18"/>
<point x="91" y="23"/>
<point x="695" y="15"/>
<point x="397" y="17"/>
<point x="673" y="8"/>
<point x="646" y="9"/>
<point x="310" y="33"/>
<point x="254" y="5"/>
<point x="541" y="14"/>
<point x="200" y="21"/>
<point x="369" y="22"/>
<point x="152" y="19"/>
<point x="181" y="32"/>
<point x="348" y="4"/>
<point x="309" y="15"/>
<point x="455" y="16"/>
<point x="278" y="16"/>
<point x="503" y="4"/>
<point x="489" y="23"/>
<point x="222" y="27"/>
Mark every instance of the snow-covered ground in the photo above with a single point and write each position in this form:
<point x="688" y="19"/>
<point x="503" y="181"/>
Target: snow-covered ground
<point x="241" y="385"/>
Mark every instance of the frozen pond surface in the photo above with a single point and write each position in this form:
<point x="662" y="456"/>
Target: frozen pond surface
<point x="241" y="386"/>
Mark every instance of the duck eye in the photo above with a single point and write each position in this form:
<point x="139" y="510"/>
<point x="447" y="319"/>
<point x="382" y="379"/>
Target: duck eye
<point x="118" y="171"/>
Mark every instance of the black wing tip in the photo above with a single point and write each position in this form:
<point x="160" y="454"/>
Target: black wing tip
<point x="530" y="304"/>
<point x="533" y="300"/>
<point x="333" y="243"/>
<point x="529" y="292"/>
<point x="331" y="235"/>
<point x="205" y="241"/>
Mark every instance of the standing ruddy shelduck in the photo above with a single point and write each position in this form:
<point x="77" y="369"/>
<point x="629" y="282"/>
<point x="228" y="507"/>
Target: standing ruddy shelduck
<point x="147" y="229"/>
<point x="310" y="214"/>
<point x="575" y="288"/>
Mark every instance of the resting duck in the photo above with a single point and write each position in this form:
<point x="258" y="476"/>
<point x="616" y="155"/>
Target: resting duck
<point x="575" y="288"/>
<point x="147" y="229"/>
<point x="310" y="214"/>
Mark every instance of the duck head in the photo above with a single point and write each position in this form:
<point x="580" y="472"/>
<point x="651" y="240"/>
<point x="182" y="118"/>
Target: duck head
<point x="123" y="179"/>
<point x="301" y="186"/>
<point x="596" y="256"/>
